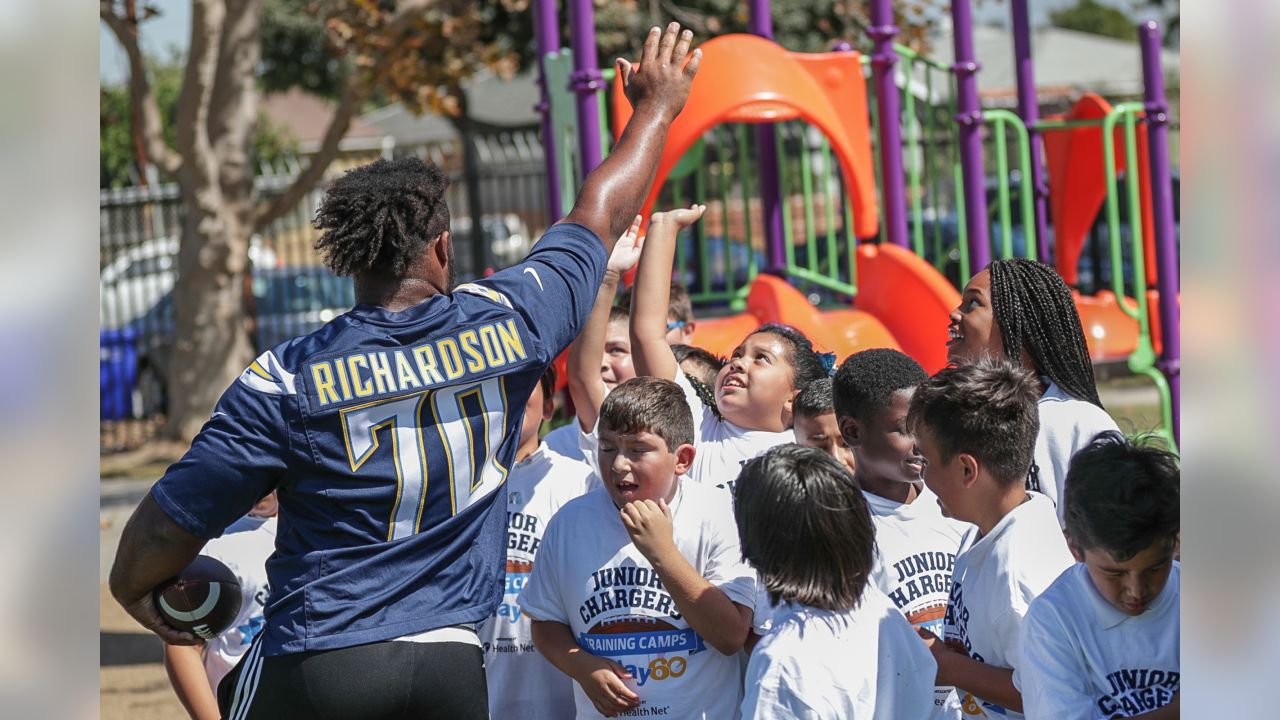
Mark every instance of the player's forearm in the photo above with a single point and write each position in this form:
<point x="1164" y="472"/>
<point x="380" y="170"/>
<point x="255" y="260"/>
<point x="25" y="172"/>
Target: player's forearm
<point x="585" y="386"/>
<point x="554" y="641"/>
<point x="153" y="548"/>
<point x="650" y="352"/>
<point x="613" y="193"/>
<point x="721" y="622"/>
<point x="185" y="668"/>
<point x="991" y="683"/>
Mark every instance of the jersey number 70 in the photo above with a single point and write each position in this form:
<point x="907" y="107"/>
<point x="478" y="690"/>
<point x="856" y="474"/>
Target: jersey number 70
<point x="467" y="420"/>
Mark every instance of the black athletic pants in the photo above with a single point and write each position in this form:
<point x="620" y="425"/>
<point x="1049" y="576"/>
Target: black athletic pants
<point x="393" y="680"/>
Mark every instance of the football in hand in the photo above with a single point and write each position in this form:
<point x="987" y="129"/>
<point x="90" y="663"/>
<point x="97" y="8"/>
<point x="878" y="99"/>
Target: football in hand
<point x="204" y="599"/>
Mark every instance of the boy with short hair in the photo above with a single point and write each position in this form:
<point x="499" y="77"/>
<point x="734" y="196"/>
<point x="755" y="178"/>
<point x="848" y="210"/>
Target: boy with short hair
<point x="976" y="425"/>
<point x="636" y="578"/>
<point x="521" y="682"/>
<point x="680" y="320"/>
<point x="1103" y="641"/>
<point x="916" y="546"/>
<point x="815" y="423"/>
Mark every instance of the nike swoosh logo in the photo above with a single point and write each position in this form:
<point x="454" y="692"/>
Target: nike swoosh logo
<point x="534" y="273"/>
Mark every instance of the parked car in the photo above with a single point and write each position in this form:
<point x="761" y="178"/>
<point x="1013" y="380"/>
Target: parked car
<point x="133" y="281"/>
<point x="135" y="358"/>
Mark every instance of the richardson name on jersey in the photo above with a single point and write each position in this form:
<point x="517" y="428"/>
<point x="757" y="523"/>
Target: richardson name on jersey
<point x="444" y="360"/>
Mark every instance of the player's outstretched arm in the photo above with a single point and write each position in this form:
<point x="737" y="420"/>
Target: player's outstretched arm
<point x="649" y="349"/>
<point x="190" y="682"/>
<point x="153" y="548"/>
<point x="602" y="679"/>
<point x="585" y="386"/>
<point x="657" y="89"/>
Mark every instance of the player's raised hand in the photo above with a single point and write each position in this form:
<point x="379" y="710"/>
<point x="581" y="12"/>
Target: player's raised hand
<point x="626" y="252"/>
<point x="680" y="218"/>
<point x="660" y="84"/>
<point x="604" y="682"/>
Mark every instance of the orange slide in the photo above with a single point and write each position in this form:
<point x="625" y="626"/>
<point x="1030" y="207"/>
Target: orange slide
<point x="902" y="301"/>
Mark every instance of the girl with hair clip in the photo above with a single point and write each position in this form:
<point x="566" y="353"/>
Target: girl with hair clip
<point x="750" y="408"/>
<point x="1022" y="310"/>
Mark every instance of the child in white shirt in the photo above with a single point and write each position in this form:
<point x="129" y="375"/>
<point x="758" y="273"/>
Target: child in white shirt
<point x="639" y="593"/>
<point x="837" y="647"/>
<point x="815" y="423"/>
<point x="1103" y="640"/>
<point x="976" y="425"/>
<point x="522" y="684"/>
<point x="754" y="391"/>
<point x="916" y="546"/>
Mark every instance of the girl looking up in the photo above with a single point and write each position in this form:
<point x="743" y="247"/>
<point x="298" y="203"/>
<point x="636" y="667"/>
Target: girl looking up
<point x="750" y="410"/>
<point x="1022" y="310"/>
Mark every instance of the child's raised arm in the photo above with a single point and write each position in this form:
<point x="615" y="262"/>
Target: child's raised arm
<point x="649" y="349"/>
<point x="585" y="386"/>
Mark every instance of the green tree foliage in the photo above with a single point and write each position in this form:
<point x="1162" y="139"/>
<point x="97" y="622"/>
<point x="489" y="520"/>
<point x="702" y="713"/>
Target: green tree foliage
<point x="118" y="158"/>
<point x="1092" y="17"/>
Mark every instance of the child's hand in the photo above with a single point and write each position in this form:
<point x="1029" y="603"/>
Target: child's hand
<point x="649" y="525"/>
<point x="603" y="680"/>
<point x="681" y="218"/>
<point x="626" y="253"/>
<point x="940" y="650"/>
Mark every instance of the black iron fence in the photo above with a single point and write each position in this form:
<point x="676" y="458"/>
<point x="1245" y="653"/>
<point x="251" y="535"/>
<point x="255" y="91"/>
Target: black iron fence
<point x="290" y="293"/>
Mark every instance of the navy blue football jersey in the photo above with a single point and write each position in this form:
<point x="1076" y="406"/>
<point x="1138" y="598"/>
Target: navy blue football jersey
<point x="388" y="436"/>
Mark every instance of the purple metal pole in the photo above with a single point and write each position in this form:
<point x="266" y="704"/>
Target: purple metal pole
<point x="586" y="80"/>
<point x="547" y="39"/>
<point x="1029" y="109"/>
<point x="761" y="23"/>
<point x="969" y="118"/>
<point x="883" y="59"/>
<point x="1162" y="209"/>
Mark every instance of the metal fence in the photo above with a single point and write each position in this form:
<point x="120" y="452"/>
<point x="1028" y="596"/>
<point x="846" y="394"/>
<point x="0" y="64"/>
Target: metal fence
<point x="290" y="292"/>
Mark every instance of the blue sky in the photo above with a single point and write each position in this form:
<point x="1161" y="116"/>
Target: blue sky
<point x="173" y="26"/>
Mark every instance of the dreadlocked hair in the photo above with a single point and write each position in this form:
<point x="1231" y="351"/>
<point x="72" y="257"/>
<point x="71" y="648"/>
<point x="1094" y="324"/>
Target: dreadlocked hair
<point x="1035" y="310"/>
<point x="380" y="217"/>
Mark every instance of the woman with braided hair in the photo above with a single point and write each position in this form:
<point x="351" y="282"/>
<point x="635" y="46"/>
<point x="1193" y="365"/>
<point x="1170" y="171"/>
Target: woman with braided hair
<point x="1022" y="310"/>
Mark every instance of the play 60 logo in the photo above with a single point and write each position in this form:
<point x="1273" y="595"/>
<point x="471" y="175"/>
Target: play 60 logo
<point x="658" y="669"/>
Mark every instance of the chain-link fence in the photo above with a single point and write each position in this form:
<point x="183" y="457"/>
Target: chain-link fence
<point x="290" y="293"/>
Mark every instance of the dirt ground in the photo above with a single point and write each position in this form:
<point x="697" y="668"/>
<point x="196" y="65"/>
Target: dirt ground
<point x="131" y="673"/>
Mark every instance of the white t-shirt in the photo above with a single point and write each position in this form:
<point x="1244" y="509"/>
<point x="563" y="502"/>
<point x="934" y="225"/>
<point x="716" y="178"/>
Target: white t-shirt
<point x="244" y="548"/>
<point x="591" y="578"/>
<point x="864" y="663"/>
<point x="994" y="582"/>
<point x="1083" y="658"/>
<point x="565" y="441"/>
<point x="1066" y="426"/>
<point x="916" y="549"/>
<point x="522" y="684"/>
<point x="723" y="447"/>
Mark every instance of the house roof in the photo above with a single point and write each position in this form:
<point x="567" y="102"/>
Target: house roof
<point x="494" y="102"/>
<point x="1065" y="62"/>
<point x="307" y="117"/>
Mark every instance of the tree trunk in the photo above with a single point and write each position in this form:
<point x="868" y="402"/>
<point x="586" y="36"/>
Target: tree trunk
<point x="211" y="347"/>
<point x="216" y="114"/>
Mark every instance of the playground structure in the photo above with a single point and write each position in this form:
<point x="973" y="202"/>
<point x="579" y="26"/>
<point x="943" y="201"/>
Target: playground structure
<point x="788" y="150"/>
